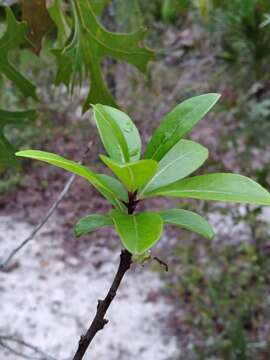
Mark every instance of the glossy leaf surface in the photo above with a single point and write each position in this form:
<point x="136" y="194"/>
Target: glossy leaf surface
<point x="90" y="223"/>
<point x="218" y="187"/>
<point x="118" y="133"/>
<point x="188" y="220"/>
<point x="178" y="123"/>
<point x="181" y="160"/>
<point x="133" y="175"/>
<point x="77" y="169"/>
<point x="138" y="232"/>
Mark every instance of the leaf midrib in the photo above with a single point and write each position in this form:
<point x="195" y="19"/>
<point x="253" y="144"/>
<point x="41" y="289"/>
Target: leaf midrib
<point x="103" y="44"/>
<point x="121" y="150"/>
<point x="174" y="131"/>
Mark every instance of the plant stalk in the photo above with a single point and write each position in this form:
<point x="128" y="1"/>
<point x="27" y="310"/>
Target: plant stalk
<point x="99" y="320"/>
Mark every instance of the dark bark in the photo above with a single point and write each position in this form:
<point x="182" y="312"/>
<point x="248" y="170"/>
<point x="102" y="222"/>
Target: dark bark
<point x="99" y="320"/>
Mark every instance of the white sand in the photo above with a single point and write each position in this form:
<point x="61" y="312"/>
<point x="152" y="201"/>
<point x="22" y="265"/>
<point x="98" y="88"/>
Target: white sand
<point x="49" y="302"/>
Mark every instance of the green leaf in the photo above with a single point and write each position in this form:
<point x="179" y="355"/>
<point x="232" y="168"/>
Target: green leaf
<point x="181" y="160"/>
<point x="188" y="220"/>
<point x="85" y="50"/>
<point x="99" y="5"/>
<point x="60" y="162"/>
<point x="18" y="118"/>
<point x="118" y="133"/>
<point x="133" y="175"/>
<point x="58" y="16"/>
<point x="217" y="187"/>
<point x="95" y="179"/>
<point x="111" y="135"/>
<point x="138" y="232"/>
<point x="129" y="15"/>
<point x="178" y="123"/>
<point x="115" y="185"/>
<point x="90" y="223"/>
<point x="14" y="36"/>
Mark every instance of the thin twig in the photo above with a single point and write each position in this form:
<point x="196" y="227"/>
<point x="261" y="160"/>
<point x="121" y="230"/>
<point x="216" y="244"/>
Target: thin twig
<point x="41" y="224"/>
<point x="51" y="210"/>
<point x="4" y="339"/>
<point x="161" y="262"/>
<point x="99" y="320"/>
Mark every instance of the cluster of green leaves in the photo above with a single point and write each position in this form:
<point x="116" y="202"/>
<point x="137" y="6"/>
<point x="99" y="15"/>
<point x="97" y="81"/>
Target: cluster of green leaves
<point x="82" y="43"/>
<point x="237" y="26"/>
<point x="167" y="162"/>
<point x="224" y="295"/>
<point x="133" y="13"/>
<point x="13" y="37"/>
<point x="256" y="127"/>
<point x="90" y="42"/>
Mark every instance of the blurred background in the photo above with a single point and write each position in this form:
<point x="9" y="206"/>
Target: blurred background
<point x="214" y="303"/>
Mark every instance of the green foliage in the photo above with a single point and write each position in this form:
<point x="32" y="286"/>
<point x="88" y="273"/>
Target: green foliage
<point x="138" y="232"/>
<point x="188" y="220"/>
<point x="129" y="15"/>
<point x="118" y="134"/>
<point x="237" y="26"/>
<point x="171" y="9"/>
<point x="217" y="187"/>
<point x="80" y="47"/>
<point x="14" y="36"/>
<point x="90" y="43"/>
<point x="104" y="187"/>
<point x="204" y="7"/>
<point x="178" y="123"/>
<point x="133" y="175"/>
<point x="224" y="293"/>
<point x="181" y="160"/>
<point x="59" y="18"/>
<point x="146" y="178"/>
<point x="90" y="223"/>
<point x="18" y="118"/>
<point x="255" y="126"/>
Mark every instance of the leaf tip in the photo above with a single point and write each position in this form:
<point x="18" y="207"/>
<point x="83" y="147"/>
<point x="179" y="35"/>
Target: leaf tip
<point x="210" y="235"/>
<point x="77" y="232"/>
<point x="19" y="153"/>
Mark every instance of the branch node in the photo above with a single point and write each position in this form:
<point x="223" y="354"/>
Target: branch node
<point x="99" y="320"/>
<point x="99" y="303"/>
<point x="82" y="339"/>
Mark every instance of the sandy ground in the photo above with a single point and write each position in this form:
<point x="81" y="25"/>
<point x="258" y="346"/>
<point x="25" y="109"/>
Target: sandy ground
<point x="49" y="302"/>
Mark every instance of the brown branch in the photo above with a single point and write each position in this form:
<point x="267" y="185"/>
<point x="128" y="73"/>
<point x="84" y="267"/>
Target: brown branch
<point x="99" y="320"/>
